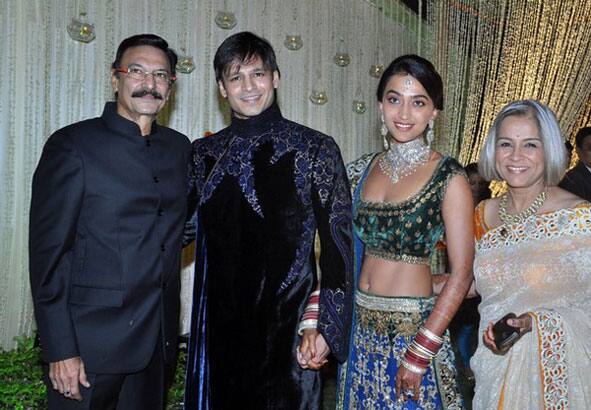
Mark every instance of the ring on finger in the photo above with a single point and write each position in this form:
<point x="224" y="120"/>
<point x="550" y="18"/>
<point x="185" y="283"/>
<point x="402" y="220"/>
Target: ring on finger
<point x="67" y="393"/>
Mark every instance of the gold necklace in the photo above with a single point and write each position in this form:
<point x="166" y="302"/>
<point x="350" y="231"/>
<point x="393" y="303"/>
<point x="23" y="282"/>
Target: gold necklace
<point x="507" y="218"/>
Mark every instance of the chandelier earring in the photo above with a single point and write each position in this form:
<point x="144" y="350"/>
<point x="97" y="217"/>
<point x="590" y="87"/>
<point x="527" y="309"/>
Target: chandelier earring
<point x="430" y="133"/>
<point x="384" y="133"/>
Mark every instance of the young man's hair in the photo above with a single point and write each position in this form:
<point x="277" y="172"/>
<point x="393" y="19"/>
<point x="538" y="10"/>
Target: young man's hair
<point x="242" y="48"/>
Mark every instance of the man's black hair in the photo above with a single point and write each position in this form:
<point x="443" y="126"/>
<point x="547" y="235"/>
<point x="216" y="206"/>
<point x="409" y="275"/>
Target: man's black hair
<point x="146" y="40"/>
<point x="242" y="48"/>
<point x="581" y="135"/>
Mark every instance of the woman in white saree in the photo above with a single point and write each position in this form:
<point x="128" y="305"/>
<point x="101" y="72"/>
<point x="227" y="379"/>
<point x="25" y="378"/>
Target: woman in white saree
<point x="533" y="258"/>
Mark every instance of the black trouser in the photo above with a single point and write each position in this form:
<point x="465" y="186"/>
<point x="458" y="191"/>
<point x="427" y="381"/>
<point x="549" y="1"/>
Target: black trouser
<point x="144" y="390"/>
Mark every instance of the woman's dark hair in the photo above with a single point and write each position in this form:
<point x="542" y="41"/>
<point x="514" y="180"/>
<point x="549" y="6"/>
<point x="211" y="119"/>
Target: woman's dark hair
<point x="146" y="40"/>
<point x="242" y="48"/>
<point x="419" y="68"/>
<point x="471" y="168"/>
<point x="480" y="192"/>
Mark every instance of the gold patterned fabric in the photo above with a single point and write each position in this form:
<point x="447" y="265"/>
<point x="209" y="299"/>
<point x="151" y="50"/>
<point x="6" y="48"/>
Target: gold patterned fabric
<point x="541" y="266"/>
<point x="383" y="329"/>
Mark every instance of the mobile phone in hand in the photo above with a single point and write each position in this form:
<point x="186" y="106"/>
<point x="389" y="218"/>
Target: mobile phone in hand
<point x="505" y="335"/>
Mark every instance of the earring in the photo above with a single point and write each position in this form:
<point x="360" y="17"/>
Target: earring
<point x="430" y="133"/>
<point x="384" y="132"/>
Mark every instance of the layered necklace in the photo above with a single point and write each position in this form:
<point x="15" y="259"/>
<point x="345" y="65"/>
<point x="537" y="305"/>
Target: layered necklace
<point x="402" y="160"/>
<point x="535" y="206"/>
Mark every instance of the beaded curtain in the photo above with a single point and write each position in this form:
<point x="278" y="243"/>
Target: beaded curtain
<point x="51" y="80"/>
<point x="493" y="52"/>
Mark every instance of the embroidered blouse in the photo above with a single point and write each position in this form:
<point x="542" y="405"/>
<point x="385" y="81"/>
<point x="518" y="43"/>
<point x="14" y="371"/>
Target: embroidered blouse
<point x="409" y="230"/>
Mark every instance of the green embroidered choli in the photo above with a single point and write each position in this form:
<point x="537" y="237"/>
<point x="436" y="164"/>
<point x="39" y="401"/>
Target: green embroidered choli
<point x="409" y="230"/>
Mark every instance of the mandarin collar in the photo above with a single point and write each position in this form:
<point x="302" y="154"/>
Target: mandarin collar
<point x="122" y="125"/>
<point x="262" y="122"/>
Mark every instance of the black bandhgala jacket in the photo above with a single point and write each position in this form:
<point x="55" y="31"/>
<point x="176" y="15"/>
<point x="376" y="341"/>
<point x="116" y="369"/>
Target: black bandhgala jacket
<point x="107" y="213"/>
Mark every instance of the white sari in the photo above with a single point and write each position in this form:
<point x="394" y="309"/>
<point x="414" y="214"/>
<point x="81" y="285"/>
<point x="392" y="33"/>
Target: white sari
<point x="541" y="266"/>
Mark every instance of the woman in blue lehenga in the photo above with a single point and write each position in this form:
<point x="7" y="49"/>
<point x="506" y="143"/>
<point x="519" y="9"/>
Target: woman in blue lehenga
<point x="405" y="199"/>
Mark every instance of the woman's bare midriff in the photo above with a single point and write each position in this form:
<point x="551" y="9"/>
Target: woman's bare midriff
<point x="384" y="277"/>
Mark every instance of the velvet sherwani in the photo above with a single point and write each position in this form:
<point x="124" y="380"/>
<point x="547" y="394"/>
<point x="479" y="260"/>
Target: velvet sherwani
<point x="259" y="191"/>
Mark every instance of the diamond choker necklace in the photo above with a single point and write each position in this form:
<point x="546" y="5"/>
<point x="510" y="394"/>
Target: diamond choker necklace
<point x="402" y="160"/>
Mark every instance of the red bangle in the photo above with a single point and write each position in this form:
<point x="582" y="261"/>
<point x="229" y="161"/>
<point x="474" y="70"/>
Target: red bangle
<point x="426" y="343"/>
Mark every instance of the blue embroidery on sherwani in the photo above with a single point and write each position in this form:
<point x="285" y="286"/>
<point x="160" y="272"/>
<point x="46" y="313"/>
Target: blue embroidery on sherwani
<point x="284" y="140"/>
<point x="303" y="144"/>
<point x="237" y="162"/>
<point x="330" y="313"/>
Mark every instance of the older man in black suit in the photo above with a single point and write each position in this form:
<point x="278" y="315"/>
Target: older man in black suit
<point x="578" y="179"/>
<point x="107" y="212"/>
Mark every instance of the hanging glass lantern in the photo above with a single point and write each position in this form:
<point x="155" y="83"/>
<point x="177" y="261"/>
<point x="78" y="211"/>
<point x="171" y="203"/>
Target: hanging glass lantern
<point x="342" y="59"/>
<point x="225" y="20"/>
<point x="185" y="64"/>
<point x="376" y="70"/>
<point x="80" y="30"/>
<point x="359" y="106"/>
<point x="293" y="42"/>
<point x="319" y="97"/>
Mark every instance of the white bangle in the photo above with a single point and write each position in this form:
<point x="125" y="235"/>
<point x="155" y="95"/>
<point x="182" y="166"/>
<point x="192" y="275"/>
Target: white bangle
<point x="307" y="324"/>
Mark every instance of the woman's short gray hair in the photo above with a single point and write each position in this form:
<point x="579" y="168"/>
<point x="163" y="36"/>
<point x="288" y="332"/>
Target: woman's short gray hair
<point x="555" y="155"/>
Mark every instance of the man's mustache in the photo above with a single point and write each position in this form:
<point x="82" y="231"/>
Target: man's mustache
<point x="143" y="92"/>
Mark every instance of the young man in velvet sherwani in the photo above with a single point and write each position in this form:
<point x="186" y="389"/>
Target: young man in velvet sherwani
<point x="259" y="191"/>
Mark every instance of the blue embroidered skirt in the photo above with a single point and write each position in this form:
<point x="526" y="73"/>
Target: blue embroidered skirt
<point x="383" y="328"/>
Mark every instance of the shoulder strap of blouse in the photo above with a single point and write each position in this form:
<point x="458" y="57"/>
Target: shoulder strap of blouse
<point x="357" y="168"/>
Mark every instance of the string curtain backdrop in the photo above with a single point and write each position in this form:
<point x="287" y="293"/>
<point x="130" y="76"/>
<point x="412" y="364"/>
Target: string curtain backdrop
<point x="51" y="80"/>
<point x="493" y="52"/>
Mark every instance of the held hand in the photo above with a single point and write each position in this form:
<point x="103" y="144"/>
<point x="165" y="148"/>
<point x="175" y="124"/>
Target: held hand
<point x="66" y="375"/>
<point x="313" y="350"/>
<point x="322" y="350"/>
<point x="408" y="384"/>
<point x="307" y="348"/>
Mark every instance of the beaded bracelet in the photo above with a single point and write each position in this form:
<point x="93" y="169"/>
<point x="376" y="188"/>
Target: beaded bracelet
<point x="311" y="313"/>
